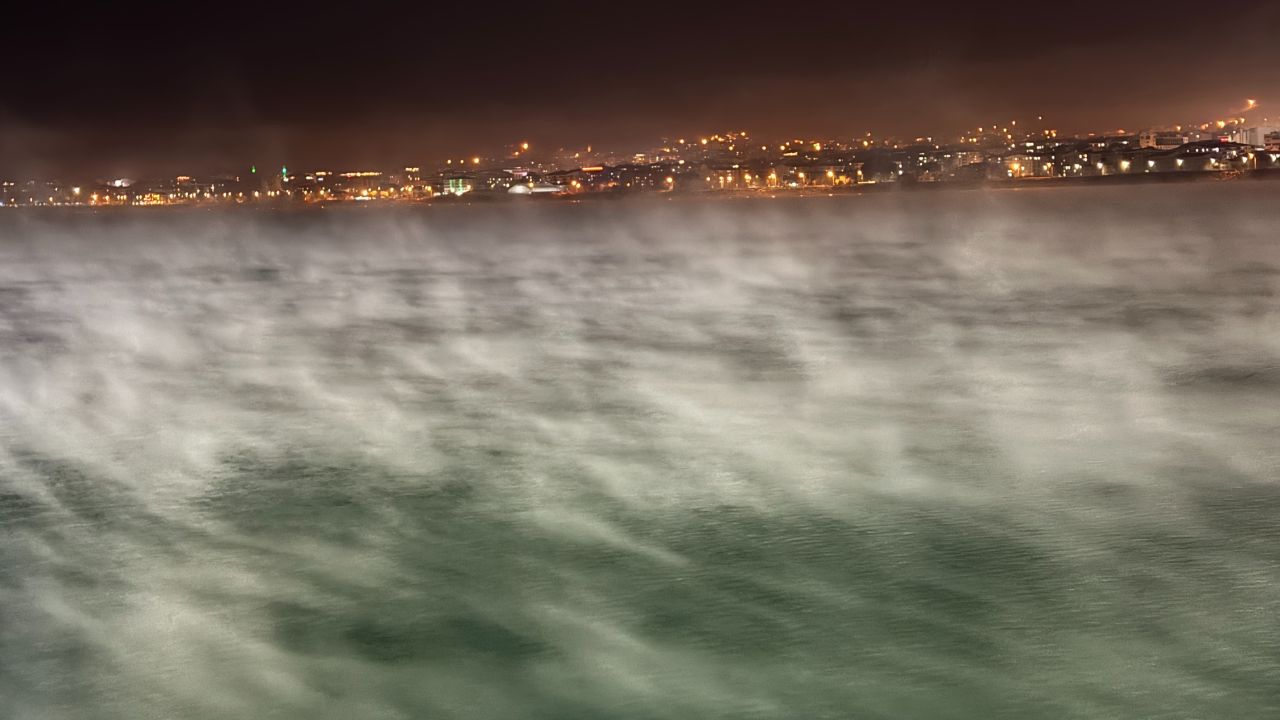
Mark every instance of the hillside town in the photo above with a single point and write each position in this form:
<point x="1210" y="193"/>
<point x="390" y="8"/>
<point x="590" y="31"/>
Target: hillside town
<point x="724" y="162"/>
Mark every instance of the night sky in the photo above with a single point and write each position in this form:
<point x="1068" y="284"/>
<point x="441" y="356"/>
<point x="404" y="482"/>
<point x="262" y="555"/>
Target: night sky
<point x="132" y="89"/>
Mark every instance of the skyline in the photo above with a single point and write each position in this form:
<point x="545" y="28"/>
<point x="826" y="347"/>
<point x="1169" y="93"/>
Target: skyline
<point x="1247" y="113"/>
<point x="108" y="95"/>
<point x="733" y="162"/>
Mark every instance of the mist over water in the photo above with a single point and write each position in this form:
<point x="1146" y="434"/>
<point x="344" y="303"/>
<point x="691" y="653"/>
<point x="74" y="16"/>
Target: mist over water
<point x="914" y="455"/>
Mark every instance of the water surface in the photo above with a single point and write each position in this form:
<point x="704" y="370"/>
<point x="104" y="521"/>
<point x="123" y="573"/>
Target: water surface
<point x="936" y="455"/>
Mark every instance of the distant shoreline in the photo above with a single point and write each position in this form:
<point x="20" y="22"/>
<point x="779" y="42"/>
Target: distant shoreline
<point x="1084" y="181"/>
<point x="766" y="193"/>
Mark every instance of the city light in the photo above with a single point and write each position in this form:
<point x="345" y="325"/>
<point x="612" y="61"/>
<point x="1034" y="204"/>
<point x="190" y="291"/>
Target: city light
<point x="1013" y="151"/>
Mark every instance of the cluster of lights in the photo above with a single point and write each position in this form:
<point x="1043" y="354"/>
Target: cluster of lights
<point x="1023" y="155"/>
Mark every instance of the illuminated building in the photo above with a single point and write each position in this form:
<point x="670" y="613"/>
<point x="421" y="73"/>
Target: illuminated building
<point x="1255" y="136"/>
<point x="1161" y="139"/>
